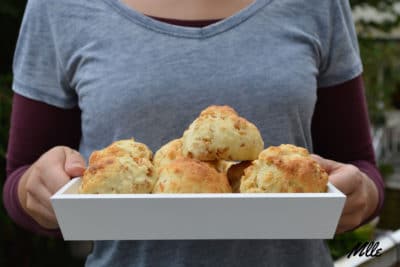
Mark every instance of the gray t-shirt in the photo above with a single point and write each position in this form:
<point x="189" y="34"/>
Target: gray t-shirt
<point x="135" y="76"/>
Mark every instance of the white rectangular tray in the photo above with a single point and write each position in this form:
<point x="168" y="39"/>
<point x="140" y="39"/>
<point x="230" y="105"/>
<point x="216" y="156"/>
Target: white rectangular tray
<point x="196" y="216"/>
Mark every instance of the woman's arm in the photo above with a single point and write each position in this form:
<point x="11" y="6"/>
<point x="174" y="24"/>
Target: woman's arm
<point x="35" y="128"/>
<point x="341" y="132"/>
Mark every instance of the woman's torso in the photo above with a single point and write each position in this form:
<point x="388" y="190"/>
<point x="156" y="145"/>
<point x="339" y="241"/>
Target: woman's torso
<point x="137" y="77"/>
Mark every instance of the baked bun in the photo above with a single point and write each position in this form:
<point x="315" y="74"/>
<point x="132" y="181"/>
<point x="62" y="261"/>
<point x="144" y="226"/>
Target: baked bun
<point x="220" y="134"/>
<point x="173" y="150"/>
<point x="235" y="173"/>
<point x="185" y="175"/>
<point x="167" y="153"/>
<point x="286" y="168"/>
<point x="220" y="165"/>
<point x="124" y="167"/>
<point x="127" y="147"/>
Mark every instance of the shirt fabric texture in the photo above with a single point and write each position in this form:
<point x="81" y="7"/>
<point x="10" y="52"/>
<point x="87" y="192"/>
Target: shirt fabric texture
<point x="134" y="76"/>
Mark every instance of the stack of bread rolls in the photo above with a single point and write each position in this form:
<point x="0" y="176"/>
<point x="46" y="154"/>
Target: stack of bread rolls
<point x="220" y="152"/>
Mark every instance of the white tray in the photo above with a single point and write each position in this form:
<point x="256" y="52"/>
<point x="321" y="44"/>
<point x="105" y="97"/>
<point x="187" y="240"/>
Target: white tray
<point x="196" y="216"/>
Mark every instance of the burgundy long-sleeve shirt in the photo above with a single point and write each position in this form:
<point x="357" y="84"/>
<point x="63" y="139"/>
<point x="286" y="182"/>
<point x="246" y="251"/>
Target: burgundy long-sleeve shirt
<point x="340" y="131"/>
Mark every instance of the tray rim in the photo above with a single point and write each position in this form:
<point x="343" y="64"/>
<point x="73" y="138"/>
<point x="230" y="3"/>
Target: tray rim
<point x="333" y="192"/>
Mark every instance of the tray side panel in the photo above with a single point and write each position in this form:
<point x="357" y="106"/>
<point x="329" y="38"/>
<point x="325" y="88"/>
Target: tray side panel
<point x="196" y="218"/>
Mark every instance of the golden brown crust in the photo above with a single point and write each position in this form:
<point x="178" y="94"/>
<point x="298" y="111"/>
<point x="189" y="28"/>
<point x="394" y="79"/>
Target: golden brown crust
<point x="185" y="175"/>
<point x="122" y="148"/>
<point x="285" y="168"/>
<point x="173" y="150"/>
<point x="220" y="134"/>
<point x="123" y="167"/>
<point x="167" y="153"/>
<point x="218" y="110"/>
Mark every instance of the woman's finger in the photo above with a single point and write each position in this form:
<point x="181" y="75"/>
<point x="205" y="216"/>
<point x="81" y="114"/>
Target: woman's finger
<point x="354" y="203"/>
<point x="40" y="193"/>
<point x="328" y="165"/>
<point x="348" y="222"/>
<point x="347" y="179"/>
<point x="40" y="213"/>
<point x="54" y="178"/>
<point x="74" y="163"/>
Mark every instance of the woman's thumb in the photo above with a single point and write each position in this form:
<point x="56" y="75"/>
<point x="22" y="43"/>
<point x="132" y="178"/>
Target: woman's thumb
<point x="74" y="163"/>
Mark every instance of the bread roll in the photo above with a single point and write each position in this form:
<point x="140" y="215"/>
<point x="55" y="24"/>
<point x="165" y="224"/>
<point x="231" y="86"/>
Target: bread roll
<point x="220" y="134"/>
<point x="173" y="150"/>
<point x="123" y="148"/>
<point x="123" y="167"/>
<point x="167" y="153"/>
<point x="285" y="168"/>
<point x="185" y="175"/>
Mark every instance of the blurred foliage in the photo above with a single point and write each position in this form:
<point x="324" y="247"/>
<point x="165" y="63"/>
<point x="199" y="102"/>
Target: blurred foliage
<point x="344" y="243"/>
<point x="5" y="108"/>
<point x="11" y="12"/>
<point x="390" y="218"/>
<point x="6" y="227"/>
<point x="381" y="63"/>
<point x="386" y="169"/>
<point x="383" y="6"/>
<point x="381" y="59"/>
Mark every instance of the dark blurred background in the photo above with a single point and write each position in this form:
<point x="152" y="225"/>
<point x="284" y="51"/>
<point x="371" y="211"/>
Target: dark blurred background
<point x="18" y="247"/>
<point x="379" y="35"/>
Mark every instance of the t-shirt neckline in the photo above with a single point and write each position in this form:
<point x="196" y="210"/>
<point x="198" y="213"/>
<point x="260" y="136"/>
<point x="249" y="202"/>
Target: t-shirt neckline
<point x="188" y="32"/>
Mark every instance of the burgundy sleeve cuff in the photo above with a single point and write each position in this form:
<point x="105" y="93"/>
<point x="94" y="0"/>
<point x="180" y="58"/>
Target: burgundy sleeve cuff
<point x="14" y="209"/>
<point x="372" y="172"/>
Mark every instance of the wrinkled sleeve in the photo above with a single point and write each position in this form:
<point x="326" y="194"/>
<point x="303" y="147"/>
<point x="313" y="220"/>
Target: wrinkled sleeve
<point x="340" y="57"/>
<point x="38" y="71"/>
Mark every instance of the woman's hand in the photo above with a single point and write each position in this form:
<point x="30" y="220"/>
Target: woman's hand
<point x="361" y="192"/>
<point x="48" y="174"/>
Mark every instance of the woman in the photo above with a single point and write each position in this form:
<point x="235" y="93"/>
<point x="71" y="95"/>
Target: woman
<point x="87" y="73"/>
